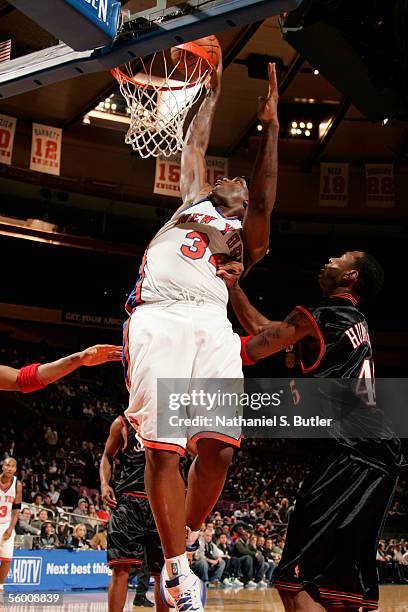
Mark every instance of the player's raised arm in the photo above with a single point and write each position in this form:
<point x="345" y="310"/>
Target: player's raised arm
<point x="262" y="191"/>
<point x="37" y="376"/>
<point x="112" y="446"/>
<point x="193" y="175"/>
<point x="8" y="379"/>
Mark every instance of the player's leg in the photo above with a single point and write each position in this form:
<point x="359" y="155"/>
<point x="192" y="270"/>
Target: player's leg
<point x="124" y="547"/>
<point x="166" y="491"/>
<point x="4" y="570"/>
<point x="155" y="336"/>
<point x="300" y="601"/>
<point x="142" y="587"/>
<point x="210" y="466"/>
<point x="118" y="587"/>
<point x="160" y="605"/>
<point x="218" y="370"/>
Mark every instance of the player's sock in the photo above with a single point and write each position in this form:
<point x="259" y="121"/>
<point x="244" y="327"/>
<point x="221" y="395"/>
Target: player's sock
<point x="191" y="536"/>
<point x="177" y="566"/>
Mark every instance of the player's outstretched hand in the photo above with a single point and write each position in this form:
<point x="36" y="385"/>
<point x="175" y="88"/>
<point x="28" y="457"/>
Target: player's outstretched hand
<point x="230" y="272"/>
<point x="100" y="353"/>
<point x="268" y="107"/>
<point x="108" y="496"/>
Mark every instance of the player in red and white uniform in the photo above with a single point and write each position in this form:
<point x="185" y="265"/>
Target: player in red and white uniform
<point x="10" y="504"/>
<point x="178" y="326"/>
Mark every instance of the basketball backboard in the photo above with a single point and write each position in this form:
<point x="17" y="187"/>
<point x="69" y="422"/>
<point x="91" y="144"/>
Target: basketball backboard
<point x="155" y="25"/>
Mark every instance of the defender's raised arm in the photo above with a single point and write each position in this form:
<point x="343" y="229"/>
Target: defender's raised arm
<point x="262" y="191"/>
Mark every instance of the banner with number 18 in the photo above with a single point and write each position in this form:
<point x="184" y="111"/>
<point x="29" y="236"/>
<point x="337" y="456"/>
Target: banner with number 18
<point x="46" y="149"/>
<point x="334" y="184"/>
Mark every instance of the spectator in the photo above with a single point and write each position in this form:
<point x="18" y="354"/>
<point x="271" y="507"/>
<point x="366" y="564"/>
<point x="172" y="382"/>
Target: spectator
<point x="260" y="566"/>
<point x="245" y="556"/>
<point x="42" y="518"/>
<point x="99" y="540"/>
<point x="231" y="570"/>
<point x="51" y="436"/>
<point x="265" y="546"/>
<point x="208" y="563"/>
<point x="23" y="526"/>
<point x="37" y="506"/>
<point x="53" y="493"/>
<point x="79" y="537"/>
<point x="92" y="520"/>
<point x="48" y="538"/>
<point x="103" y="513"/>
<point x="80" y="512"/>
<point x="47" y="505"/>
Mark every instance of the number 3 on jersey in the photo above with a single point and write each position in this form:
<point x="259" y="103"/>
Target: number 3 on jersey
<point x="197" y="247"/>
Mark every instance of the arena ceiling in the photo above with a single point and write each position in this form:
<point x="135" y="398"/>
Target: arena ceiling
<point x="352" y="138"/>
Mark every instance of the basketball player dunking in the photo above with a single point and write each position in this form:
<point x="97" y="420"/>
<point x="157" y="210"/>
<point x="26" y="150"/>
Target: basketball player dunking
<point x="329" y="560"/>
<point x="178" y="328"/>
<point x="11" y="493"/>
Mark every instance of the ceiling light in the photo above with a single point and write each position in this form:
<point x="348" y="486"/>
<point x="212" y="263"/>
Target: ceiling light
<point x="298" y="132"/>
<point x="294" y="124"/>
<point x="259" y="127"/>
<point x="302" y="125"/>
<point x="309" y="125"/>
<point x="307" y="133"/>
<point x="293" y="131"/>
<point x="316" y="72"/>
<point x="385" y="122"/>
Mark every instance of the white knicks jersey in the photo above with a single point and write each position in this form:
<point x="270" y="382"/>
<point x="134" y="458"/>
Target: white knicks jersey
<point x="180" y="263"/>
<point x="7" y="497"/>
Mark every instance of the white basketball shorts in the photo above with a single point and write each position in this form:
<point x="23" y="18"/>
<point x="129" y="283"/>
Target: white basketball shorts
<point x="6" y="546"/>
<point x="179" y="342"/>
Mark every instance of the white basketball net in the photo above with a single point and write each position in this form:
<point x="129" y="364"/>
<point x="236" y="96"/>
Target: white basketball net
<point x="159" y="105"/>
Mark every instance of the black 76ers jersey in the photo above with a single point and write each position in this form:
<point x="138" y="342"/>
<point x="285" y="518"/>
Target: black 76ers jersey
<point x="342" y="348"/>
<point x="132" y="462"/>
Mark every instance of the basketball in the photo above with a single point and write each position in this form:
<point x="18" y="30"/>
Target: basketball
<point x="188" y="63"/>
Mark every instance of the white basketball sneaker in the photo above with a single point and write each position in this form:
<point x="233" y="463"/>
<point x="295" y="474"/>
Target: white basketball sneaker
<point x="184" y="593"/>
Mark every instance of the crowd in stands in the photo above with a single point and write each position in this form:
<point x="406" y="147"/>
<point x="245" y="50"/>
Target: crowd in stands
<point x="57" y="436"/>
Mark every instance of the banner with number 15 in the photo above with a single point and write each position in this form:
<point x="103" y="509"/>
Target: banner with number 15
<point x="46" y="149"/>
<point x="167" y="178"/>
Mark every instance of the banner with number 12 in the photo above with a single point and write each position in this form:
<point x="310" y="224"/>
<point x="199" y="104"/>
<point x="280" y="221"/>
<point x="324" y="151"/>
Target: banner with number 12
<point x="46" y="149"/>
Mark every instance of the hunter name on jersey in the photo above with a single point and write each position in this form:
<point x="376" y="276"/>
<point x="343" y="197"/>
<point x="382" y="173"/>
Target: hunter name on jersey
<point x="180" y="262"/>
<point x="358" y="334"/>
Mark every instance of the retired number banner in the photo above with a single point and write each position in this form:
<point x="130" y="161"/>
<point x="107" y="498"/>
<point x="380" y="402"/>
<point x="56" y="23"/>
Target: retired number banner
<point x="167" y="179"/>
<point x="46" y="149"/>
<point x="7" y="131"/>
<point x="334" y="183"/>
<point x="380" y="185"/>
